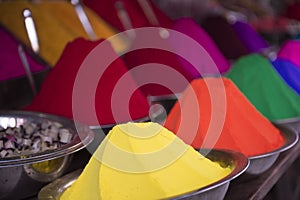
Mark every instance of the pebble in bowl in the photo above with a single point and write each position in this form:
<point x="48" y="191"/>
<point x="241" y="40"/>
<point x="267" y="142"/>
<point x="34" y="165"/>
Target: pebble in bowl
<point x="36" y="148"/>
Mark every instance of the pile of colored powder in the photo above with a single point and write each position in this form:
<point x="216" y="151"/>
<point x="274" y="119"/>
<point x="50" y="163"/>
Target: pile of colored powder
<point x="189" y="27"/>
<point x="249" y="37"/>
<point x="289" y="72"/>
<point x="213" y="113"/>
<point x="56" y="23"/>
<point x="138" y="18"/>
<point x="163" y="61"/>
<point x="143" y="161"/>
<point x="10" y="61"/>
<point x="107" y="10"/>
<point x="289" y="51"/>
<point x="187" y="51"/>
<point x="59" y="96"/>
<point x="263" y="86"/>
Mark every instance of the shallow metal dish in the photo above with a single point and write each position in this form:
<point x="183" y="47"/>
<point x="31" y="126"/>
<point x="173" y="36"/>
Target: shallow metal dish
<point x="261" y="163"/>
<point x="24" y="176"/>
<point x="237" y="161"/>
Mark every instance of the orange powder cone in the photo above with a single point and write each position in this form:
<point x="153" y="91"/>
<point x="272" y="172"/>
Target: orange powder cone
<point x="221" y="117"/>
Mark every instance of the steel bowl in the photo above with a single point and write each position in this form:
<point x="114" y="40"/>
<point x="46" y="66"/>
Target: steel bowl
<point x="226" y="158"/>
<point x="261" y="163"/>
<point x="293" y="123"/>
<point x="23" y="176"/>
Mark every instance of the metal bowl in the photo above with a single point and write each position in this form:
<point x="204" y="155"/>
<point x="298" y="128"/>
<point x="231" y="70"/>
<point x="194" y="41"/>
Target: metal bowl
<point x="38" y="169"/>
<point x="237" y="161"/>
<point x="293" y="123"/>
<point x="261" y="163"/>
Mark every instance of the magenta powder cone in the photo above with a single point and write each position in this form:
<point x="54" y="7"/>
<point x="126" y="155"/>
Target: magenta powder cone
<point x="10" y="62"/>
<point x="290" y="51"/>
<point x="189" y="27"/>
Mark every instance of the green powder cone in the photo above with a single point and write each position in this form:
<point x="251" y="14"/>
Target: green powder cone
<point x="266" y="90"/>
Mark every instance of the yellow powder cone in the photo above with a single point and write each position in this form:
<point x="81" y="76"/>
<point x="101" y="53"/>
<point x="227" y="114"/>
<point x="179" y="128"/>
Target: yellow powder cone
<point x="143" y="161"/>
<point x="57" y="24"/>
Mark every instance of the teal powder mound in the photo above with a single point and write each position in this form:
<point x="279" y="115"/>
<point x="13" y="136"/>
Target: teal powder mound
<point x="266" y="90"/>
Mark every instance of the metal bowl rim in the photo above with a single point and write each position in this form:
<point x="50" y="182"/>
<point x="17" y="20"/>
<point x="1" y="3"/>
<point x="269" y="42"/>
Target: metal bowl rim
<point x="287" y="120"/>
<point x="291" y="137"/>
<point x="94" y="127"/>
<point x="242" y="165"/>
<point x="174" y="96"/>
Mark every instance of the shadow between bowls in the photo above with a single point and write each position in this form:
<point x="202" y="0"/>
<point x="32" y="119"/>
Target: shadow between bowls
<point x="19" y="172"/>
<point x="216" y="191"/>
<point x="17" y="93"/>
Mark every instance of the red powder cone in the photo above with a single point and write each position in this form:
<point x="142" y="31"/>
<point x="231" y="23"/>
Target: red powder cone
<point x="56" y="93"/>
<point x="138" y="18"/>
<point x="145" y="56"/>
<point x="180" y="54"/>
<point x="213" y="113"/>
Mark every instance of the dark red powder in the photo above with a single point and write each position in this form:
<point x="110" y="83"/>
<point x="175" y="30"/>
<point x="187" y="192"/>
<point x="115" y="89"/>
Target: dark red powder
<point x="107" y="10"/>
<point x="56" y="92"/>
